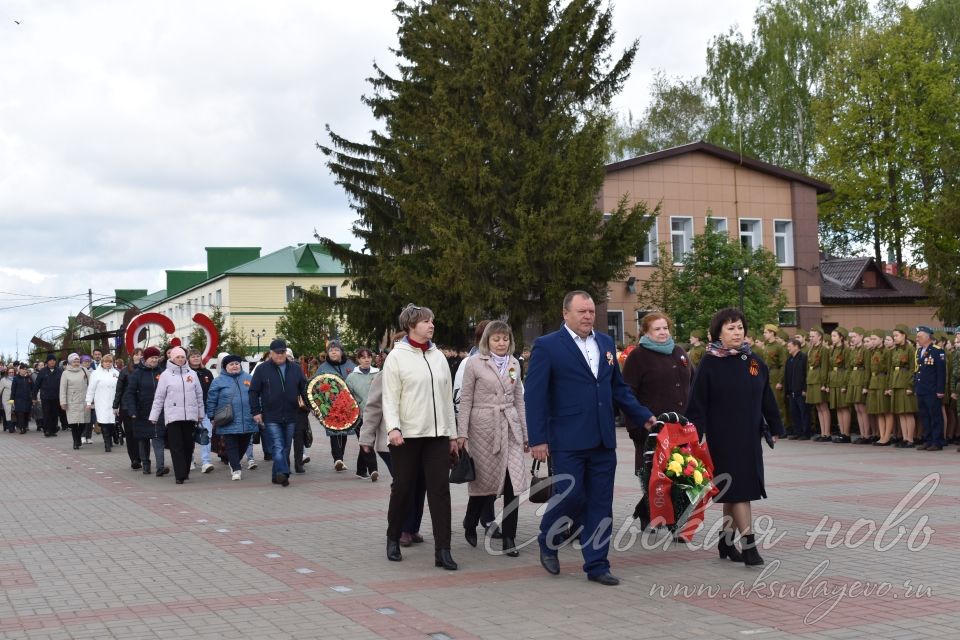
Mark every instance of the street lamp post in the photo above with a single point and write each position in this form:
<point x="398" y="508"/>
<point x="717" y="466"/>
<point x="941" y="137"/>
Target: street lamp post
<point x="263" y="333"/>
<point x="741" y="274"/>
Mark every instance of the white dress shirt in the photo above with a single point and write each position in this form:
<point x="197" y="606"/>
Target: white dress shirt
<point x="589" y="348"/>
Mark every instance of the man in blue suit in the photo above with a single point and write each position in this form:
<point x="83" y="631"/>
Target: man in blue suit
<point x="570" y="392"/>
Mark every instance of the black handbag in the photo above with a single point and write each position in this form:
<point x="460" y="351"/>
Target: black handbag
<point x="541" y="487"/>
<point x="223" y="415"/>
<point x="201" y="436"/>
<point x="308" y="437"/>
<point x="463" y="469"/>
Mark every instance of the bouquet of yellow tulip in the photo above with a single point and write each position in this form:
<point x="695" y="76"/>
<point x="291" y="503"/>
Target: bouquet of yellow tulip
<point x="688" y="472"/>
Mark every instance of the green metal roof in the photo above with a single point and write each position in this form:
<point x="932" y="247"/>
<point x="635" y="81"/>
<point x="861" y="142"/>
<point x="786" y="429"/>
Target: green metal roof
<point x="220" y="259"/>
<point x="304" y="259"/>
<point x="150" y="300"/>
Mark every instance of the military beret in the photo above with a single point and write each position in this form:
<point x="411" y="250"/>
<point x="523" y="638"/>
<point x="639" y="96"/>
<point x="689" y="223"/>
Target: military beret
<point x="902" y="328"/>
<point x="858" y="330"/>
<point x="770" y="327"/>
<point x="697" y="333"/>
<point x="843" y="332"/>
<point x="927" y="330"/>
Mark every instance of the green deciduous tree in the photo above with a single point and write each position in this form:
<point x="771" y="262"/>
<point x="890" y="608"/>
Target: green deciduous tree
<point x="198" y="339"/>
<point x="704" y="283"/>
<point x="478" y="198"/>
<point x="887" y="119"/>
<point x="763" y="88"/>
<point x="308" y="322"/>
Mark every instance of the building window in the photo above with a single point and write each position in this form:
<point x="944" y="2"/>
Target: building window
<point x="717" y="225"/>
<point x="648" y="251"/>
<point x="329" y="290"/>
<point x="783" y="242"/>
<point x="788" y="318"/>
<point x="294" y="293"/>
<point x="218" y="298"/>
<point x="615" y="326"/>
<point x="750" y="236"/>
<point x="681" y="238"/>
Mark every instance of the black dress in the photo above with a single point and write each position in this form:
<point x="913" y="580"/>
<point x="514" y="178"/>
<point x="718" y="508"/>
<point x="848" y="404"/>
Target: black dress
<point x="729" y="400"/>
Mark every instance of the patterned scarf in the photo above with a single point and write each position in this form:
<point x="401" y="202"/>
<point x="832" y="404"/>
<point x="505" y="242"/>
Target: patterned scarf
<point x="718" y="350"/>
<point x="500" y="362"/>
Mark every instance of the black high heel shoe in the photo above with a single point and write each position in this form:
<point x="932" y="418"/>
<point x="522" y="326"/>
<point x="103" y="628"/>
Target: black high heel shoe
<point x="445" y="560"/>
<point x="751" y="557"/>
<point x="510" y="547"/>
<point x="728" y="549"/>
<point x="471" y="536"/>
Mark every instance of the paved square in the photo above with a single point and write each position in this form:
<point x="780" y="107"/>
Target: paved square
<point x="92" y="549"/>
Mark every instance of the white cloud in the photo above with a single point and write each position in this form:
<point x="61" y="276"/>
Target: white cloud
<point x="134" y="133"/>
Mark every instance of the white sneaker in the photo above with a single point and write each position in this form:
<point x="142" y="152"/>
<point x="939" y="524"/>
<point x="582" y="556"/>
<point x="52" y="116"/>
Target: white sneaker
<point x="339" y="466"/>
<point x="88" y="440"/>
<point x="207" y="468"/>
<point x="251" y="464"/>
<point x="193" y="465"/>
<point x="235" y="475"/>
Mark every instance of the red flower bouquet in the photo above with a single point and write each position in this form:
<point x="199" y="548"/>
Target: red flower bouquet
<point x="332" y="403"/>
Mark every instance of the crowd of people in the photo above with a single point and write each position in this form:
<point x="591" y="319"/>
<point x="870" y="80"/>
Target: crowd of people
<point x="422" y="409"/>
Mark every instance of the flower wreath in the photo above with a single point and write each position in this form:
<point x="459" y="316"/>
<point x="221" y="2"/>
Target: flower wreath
<point x="332" y="403"/>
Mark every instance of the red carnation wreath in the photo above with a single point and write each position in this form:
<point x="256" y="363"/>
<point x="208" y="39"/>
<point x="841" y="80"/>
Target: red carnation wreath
<point x="332" y="402"/>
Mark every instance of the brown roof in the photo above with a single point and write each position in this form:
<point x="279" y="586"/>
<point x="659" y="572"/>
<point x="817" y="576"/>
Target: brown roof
<point x="842" y="283"/>
<point x="724" y="154"/>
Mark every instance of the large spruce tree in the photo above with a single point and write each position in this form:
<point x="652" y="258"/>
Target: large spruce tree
<point x="478" y="197"/>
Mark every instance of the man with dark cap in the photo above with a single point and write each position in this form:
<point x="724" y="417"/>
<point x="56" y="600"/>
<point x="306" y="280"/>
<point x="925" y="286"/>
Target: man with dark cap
<point x="929" y="383"/>
<point x="47" y="388"/>
<point x="275" y="390"/>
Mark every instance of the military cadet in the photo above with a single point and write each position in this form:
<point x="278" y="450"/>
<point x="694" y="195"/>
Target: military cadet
<point x="929" y="385"/>
<point x="878" y="402"/>
<point x="697" y="350"/>
<point x="818" y="359"/>
<point x="857" y="380"/>
<point x="903" y="361"/>
<point x="837" y="382"/>
<point x="775" y="355"/>
<point x="955" y="377"/>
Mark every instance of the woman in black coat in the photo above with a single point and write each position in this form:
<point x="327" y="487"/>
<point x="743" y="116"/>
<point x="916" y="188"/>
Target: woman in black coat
<point x="22" y="398"/>
<point x="729" y="402"/>
<point x="138" y="400"/>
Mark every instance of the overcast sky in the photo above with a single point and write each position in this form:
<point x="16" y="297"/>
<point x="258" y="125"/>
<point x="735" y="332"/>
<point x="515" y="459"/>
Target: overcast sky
<point x="133" y="133"/>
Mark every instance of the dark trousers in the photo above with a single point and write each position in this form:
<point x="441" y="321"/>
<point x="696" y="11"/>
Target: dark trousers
<point x="799" y="413"/>
<point x="302" y="423"/>
<point x="76" y="430"/>
<point x="52" y="416"/>
<point x="479" y="507"/>
<point x="180" y="439"/>
<point x="133" y="443"/>
<point x="338" y="446"/>
<point x="366" y="460"/>
<point x="929" y="406"/>
<point x="23" y="420"/>
<point x="106" y="429"/>
<point x="583" y="492"/>
<point x="236" y="445"/>
<point x="414" y="515"/>
<point x="432" y="456"/>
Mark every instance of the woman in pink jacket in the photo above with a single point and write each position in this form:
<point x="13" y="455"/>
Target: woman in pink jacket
<point x="180" y="397"/>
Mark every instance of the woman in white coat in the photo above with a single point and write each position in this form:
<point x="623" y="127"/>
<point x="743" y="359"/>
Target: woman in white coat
<point x="101" y="392"/>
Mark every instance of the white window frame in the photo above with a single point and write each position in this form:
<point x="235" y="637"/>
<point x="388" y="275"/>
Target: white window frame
<point x="787" y="242"/>
<point x="757" y="233"/>
<point x="330" y="290"/>
<point x="623" y="335"/>
<point x="218" y="298"/>
<point x="686" y="238"/>
<point x="726" y="227"/>
<point x="652" y="246"/>
<point x="294" y="292"/>
<point x="782" y="321"/>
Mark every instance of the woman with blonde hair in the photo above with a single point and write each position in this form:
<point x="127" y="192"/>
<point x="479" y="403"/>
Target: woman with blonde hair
<point x="493" y="429"/>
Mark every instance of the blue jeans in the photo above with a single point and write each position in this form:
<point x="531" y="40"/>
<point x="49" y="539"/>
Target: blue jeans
<point x="280" y="435"/>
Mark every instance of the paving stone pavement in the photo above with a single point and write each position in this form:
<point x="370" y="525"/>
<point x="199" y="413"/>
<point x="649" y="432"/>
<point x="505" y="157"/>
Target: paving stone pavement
<point x="92" y="549"/>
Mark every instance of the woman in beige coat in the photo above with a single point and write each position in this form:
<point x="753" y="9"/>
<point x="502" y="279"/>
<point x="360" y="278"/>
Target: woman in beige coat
<point x="73" y="397"/>
<point x="493" y="428"/>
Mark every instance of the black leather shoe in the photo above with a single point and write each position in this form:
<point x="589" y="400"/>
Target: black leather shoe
<point x="162" y="472"/>
<point x="445" y="560"/>
<point x="471" y="536"/>
<point x="393" y="550"/>
<point x="510" y="547"/>
<point x="605" y="578"/>
<point x="751" y="557"/>
<point x="299" y="470"/>
<point x="493" y="531"/>
<point x="550" y="563"/>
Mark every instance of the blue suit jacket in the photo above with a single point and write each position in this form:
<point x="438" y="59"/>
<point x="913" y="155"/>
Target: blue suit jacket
<point x="567" y="407"/>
